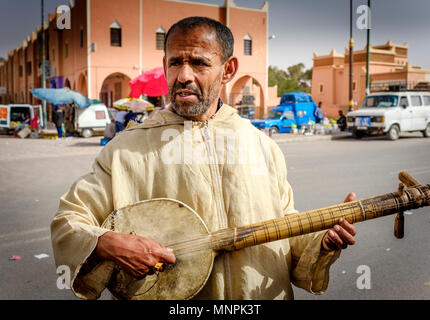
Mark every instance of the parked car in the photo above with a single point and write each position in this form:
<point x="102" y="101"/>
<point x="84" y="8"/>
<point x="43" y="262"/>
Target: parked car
<point x="12" y="115"/>
<point x="246" y="112"/>
<point x="295" y="111"/>
<point x="390" y="113"/>
<point x="91" y="120"/>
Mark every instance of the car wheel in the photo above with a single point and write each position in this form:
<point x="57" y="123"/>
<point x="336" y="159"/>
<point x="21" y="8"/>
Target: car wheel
<point x="357" y="134"/>
<point x="87" y="133"/>
<point x="394" y="132"/>
<point x="426" y="131"/>
<point x="274" y="130"/>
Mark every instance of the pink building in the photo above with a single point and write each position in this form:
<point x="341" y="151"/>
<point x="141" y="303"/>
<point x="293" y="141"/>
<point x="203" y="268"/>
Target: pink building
<point x="330" y="75"/>
<point x="111" y="42"/>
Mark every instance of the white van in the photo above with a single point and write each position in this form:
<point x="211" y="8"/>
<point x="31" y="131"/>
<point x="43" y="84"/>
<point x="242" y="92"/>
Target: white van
<point x="91" y="120"/>
<point x="12" y="115"/>
<point x="391" y="113"/>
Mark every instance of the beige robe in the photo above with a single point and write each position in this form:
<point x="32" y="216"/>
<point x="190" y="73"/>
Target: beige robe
<point x="229" y="172"/>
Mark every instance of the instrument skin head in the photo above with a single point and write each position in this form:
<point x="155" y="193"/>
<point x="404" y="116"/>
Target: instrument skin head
<point x="165" y="221"/>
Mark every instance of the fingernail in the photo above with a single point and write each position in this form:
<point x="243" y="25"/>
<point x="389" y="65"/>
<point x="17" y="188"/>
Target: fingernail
<point x="336" y="227"/>
<point x="341" y="220"/>
<point x="330" y="233"/>
<point x="171" y="250"/>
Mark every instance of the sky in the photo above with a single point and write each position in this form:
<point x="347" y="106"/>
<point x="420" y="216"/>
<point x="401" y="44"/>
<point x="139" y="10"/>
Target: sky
<point x="301" y="27"/>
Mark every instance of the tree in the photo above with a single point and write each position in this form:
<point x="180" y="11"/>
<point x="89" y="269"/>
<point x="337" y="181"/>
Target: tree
<point x="295" y="78"/>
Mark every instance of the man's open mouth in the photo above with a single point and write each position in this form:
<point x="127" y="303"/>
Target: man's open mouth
<point x="185" y="93"/>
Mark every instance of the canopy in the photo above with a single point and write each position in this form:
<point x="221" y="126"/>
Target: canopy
<point x="152" y="83"/>
<point x="135" y="105"/>
<point x="62" y="96"/>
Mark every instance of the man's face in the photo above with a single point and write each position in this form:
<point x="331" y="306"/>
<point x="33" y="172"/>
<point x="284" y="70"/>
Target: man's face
<point x="194" y="70"/>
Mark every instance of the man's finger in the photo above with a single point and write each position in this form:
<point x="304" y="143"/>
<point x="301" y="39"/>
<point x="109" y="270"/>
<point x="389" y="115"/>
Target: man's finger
<point x="347" y="226"/>
<point x="344" y="235"/>
<point x="336" y="239"/>
<point x="165" y="255"/>
<point x="350" y="197"/>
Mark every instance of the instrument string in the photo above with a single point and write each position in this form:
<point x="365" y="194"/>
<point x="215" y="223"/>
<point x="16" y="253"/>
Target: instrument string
<point x="204" y="242"/>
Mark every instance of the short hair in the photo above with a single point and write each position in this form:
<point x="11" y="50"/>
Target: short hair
<point x="224" y="36"/>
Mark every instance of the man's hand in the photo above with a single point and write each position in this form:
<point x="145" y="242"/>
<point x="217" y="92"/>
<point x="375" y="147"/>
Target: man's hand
<point x="342" y="234"/>
<point x="134" y="254"/>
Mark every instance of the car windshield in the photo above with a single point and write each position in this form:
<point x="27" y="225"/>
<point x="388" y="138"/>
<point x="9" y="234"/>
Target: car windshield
<point x="274" y="114"/>
<point x="287" y="99"/>
<point x="380" y="102"/>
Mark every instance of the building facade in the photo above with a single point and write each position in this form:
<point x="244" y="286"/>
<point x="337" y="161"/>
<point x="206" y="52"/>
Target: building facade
<point x="387" y="62"/>
<point x="111" y="42"/>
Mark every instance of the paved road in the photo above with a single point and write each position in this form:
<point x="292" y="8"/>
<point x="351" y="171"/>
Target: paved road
<point x="35" y="173"/>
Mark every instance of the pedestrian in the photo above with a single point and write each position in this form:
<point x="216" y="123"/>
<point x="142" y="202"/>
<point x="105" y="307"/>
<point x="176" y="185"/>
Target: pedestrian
<point x="110" y="131"/>
<point x="58" y="119"/>
<point x="341" y="122"/>
<point x="130" y="116"/>
<point x="119" y="120"/>
<point x="136" y="166"/>
<point x="319" y="115"/>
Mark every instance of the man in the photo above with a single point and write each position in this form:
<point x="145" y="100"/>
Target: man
<point x="58" y="119"/>
<point x="319" y="116"/>
<point x="341" y="122"/>
<point x="119" y="120"/>
<point x="136" y="166"/>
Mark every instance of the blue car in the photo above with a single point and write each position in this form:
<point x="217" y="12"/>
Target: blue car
<point x="295" y="111"/>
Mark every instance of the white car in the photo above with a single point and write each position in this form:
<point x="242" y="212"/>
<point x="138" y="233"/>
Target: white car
<point x="91" y="120"/>
<point x="391" y="113"/>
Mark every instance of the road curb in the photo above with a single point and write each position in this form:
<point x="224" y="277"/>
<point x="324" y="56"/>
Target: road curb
<point x="312" y="138"/>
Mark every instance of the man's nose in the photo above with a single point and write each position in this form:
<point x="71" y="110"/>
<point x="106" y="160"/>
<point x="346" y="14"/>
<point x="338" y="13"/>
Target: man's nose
<point x="186" y="74"/>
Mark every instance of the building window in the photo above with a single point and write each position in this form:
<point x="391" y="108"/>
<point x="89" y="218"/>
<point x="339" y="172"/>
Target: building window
<point x="28" y="68"/>
<point x="53" y="54"/>
<point x="426" y="100"/>
<point x="81" y="37"/>
<point x="321" y="88"/>
<point x="66" y="49"/>
<point x="247" y="45"/>
<point x="354" y="86"/>
<point x="160" y="35"/>
<point x="115" y="34"/>
<point x="20" y="71"/>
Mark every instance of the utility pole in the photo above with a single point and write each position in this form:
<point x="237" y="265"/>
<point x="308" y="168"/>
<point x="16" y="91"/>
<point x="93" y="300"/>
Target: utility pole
<point x="368" y="49"/>
<point x="351" y="46"/>
<point x="43" y="67"/>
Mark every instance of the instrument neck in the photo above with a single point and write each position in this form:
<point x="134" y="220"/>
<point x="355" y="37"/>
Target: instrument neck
<point x="321" y="219"/>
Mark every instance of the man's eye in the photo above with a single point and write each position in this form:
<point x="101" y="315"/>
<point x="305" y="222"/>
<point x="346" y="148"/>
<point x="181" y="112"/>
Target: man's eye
<point x="174" y="63"/>
<point x="199" y="63"/>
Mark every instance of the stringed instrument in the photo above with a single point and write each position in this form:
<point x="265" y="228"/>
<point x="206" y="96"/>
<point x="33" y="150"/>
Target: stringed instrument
<point x="195" y="247"/>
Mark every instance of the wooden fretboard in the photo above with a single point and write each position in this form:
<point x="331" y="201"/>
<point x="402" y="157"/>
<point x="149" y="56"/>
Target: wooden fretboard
<point x="321" y="219"/>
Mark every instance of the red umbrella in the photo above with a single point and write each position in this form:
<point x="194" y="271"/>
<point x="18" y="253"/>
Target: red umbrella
<point x="152" y="83"/>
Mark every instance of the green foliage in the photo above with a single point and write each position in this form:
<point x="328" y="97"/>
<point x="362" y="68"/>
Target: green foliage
<point x="295" y="78"/>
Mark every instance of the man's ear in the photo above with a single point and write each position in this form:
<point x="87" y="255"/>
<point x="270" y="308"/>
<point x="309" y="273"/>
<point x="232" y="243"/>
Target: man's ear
<point x="230" y="69"/>
<point x="165" y="67"/>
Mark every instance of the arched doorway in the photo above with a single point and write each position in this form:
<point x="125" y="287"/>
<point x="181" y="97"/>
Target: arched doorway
<point x="246" y="95"/>
<point x="82" y="85"/>
<point x="67" y="84"/>
<point x="115" y="87"/>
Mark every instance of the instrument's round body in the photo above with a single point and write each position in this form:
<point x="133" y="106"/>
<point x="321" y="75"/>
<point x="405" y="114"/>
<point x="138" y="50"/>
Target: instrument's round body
<point x="165" y="221"/>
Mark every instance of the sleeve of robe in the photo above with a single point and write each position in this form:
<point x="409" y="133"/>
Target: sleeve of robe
<point x="76" y="227"/>
<point x="310" y="263"/>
